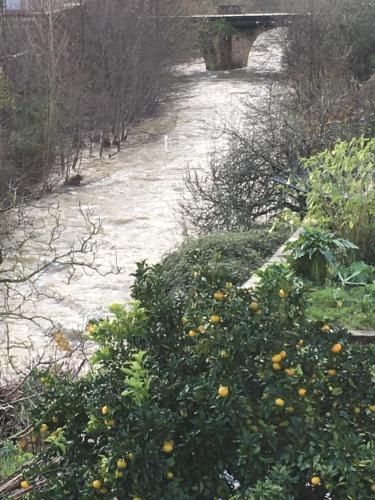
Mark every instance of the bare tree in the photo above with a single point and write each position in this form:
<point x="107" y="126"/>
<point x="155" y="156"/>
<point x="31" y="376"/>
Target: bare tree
<point x="316" y="103"/>
<point x="82" y="74"/>
<point x="244" y="183"/>
<point x="33" y="242"/>
<point x="32" y="246"/>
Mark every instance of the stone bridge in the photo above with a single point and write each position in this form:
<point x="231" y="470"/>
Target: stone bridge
<point x="226" y="39"/>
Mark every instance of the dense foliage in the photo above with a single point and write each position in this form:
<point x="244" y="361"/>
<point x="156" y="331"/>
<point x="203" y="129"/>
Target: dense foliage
<point x="352" y="307"/>
<point x="11" y="458"/>
<point x="340" y="287"/>
<point x="234" y="255"/>
<point x="342" y="194"/>
<point x="231" y="394"/>
<point x="315" y="251"/>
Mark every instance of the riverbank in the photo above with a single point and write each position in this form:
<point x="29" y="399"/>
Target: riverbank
<point x="136" y="193"/>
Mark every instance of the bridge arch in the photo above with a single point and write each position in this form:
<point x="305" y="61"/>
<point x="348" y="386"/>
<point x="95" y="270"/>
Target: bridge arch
<point x="226" y="39"/>
<point x="242" y="43"/>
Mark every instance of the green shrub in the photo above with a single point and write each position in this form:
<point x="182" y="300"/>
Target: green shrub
<point x="342" y="194"/>
<point x="237" y="254"/>
<point x="351" y="308"/>
<point x="314" y="253"/>
<point x="357" y="273"/>
<point x="11" y="458"/>
<point x="203" y="400"/>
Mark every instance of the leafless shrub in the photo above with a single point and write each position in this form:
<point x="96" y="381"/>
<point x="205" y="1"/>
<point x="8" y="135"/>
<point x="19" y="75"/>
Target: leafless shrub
<point x="259" y="174"/>
<point x="33" y="242"/>
<point x="78" y="76"/>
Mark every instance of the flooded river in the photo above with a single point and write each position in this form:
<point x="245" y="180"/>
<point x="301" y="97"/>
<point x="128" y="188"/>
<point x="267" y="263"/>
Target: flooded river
<point x="136" y="192"/>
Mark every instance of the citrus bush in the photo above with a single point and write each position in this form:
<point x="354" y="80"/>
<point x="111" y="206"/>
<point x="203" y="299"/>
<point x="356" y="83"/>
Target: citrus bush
<point x="228" y="394"/>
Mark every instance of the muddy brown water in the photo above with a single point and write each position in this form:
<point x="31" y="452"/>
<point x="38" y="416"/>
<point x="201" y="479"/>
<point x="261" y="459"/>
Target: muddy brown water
<point x="136" y="193"/>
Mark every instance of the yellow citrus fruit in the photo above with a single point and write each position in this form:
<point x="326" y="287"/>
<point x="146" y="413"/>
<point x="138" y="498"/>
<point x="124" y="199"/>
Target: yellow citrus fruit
<point x="373" y="487"/>
<point x="90" y="328"/>
<point x="336" y="348"/>
<point x="54" y="419"/>
<point x="105" y="410"/>
<point x="215" y="319"/>
<point x="223" y="391"/>
<point x="302" y="392"/>
<point x="192" y="333"/>
<point x="25" y="484"/>
<point x="282" y="293"/>
<point x="254" y="306"/>
<point x="130" y="456"/>
<point x="276" y="358"/>
<point x="218" y="295"/>
<point x="43" y="428"/>
<point x="290" y="371"/>
<point x="201" y="329"/>
<point x="224" y="354"/>
<point x="276" y="366"/>
<point x="315" y="480"/>
<point x="97" y="484"/>
<point x="290" y="409"/>
<point x="168" y="446"/>
<point x="357" y="410"/>
<point x="170" y="475"/>
<point x="332" y="372"/>
<point x="326" y="328"/>
<point x="372" y="408"/>
<point x="121" y="463"/>
<point x="283" y="354"/>
<point x="279" y="402"/>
